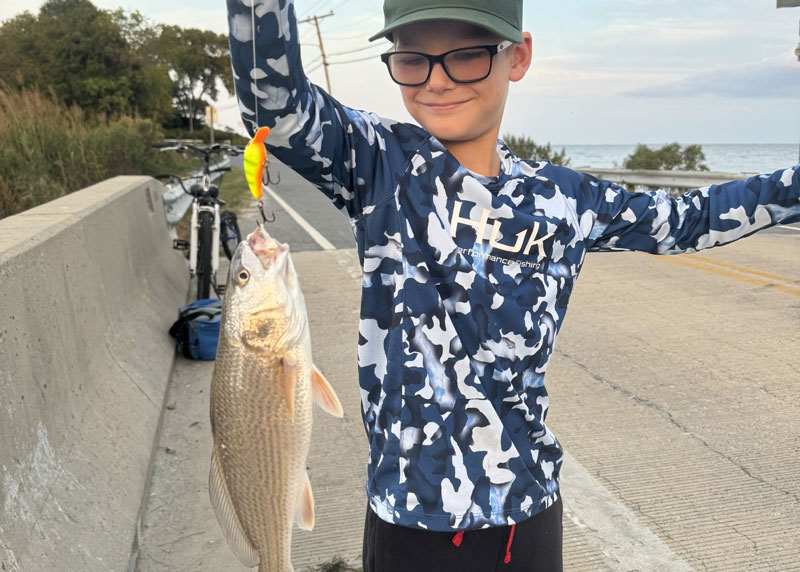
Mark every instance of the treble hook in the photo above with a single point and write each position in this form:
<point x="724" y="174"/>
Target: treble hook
<point x="264" y="216"/>
<point x="268" y="176"/>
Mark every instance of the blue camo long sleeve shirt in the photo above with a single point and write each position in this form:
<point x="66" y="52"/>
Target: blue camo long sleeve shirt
<point x="466" y="280"/>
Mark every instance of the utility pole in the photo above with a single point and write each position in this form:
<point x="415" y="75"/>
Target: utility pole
<point x="791" y="4"/>
<point x="316" y="20"/>
<point x="211" y="119"/>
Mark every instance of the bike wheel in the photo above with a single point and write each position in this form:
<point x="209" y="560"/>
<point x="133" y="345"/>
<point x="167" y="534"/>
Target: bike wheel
<point x="229" y="233"/>
<point x="204" y="255"/>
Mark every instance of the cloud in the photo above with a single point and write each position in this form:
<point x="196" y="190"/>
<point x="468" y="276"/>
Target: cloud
<point x="770" y="78"/>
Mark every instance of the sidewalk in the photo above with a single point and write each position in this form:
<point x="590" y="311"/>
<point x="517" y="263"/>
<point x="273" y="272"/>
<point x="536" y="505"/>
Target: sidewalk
<point x="674" y="391"/>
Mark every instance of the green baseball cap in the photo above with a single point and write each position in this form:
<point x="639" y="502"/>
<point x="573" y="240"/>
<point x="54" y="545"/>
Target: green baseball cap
<point x="503" y="17"/>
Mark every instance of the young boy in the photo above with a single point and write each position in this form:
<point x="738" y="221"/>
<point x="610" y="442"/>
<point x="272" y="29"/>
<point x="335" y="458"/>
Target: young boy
<point x="469" y="256"/>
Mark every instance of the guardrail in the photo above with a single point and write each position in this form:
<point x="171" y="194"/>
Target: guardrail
<point x="668" y="180"/>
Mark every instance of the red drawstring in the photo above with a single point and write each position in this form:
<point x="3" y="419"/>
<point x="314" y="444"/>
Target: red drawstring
<point x="508" y="548"/>
<point x="458" y="538"/>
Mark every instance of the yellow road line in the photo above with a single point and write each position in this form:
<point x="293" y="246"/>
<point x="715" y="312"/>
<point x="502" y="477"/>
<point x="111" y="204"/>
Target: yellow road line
<point x="746" y="270"/>
<point x="735" y="275"/>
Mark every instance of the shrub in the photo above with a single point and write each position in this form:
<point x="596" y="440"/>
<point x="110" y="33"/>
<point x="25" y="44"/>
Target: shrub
<point x="48" y="149"/>
<point x="526" y="148"/>
<point x="669" y="157"/>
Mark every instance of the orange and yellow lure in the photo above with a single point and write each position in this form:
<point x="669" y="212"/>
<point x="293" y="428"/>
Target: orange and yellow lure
<point x="255" y="161"/>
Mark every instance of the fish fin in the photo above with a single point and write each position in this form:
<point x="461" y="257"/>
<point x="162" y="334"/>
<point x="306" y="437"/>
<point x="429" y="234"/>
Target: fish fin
<point x="227" y="517"/>
<point x="290" y="380"/>
<point x="324" y="394"/>
<point x="304" y="513"/>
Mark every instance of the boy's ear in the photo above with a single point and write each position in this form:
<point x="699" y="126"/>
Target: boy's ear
<point x="521" y="57"/>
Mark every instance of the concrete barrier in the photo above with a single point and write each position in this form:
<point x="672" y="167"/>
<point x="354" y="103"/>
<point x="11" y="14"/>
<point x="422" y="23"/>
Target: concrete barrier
<point x="89" y="285"/>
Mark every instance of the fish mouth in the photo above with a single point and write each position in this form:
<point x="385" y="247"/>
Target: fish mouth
<point x="264" y="246"/>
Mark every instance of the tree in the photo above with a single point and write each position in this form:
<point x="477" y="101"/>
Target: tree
<point x="692" y="155"/>
<point x="526" y="148"/>
<point x="197" y="59"/>
<point x="101" y="61"/>
<point x="18" y="67"/>
<point x="150" y="81"/>
<point x="83" y="55"/>
<point x="667" y="158"/>
<point x="114" y="62"/>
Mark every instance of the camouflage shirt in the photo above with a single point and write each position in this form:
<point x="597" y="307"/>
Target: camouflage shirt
<point x="466" y="280"/>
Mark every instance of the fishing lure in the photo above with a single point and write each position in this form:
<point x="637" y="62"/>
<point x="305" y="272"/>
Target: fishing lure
<point x="255" y="163"/>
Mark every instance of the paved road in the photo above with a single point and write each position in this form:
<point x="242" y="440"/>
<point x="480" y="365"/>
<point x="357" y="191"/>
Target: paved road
<point x="675" y="389"/>
<point x="310" y="204"/>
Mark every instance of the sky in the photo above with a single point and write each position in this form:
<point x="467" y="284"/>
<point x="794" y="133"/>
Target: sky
<point x="621" y="72"/>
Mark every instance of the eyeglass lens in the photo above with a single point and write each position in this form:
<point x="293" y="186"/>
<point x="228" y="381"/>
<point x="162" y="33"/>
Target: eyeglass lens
<point x="466" y="65"/>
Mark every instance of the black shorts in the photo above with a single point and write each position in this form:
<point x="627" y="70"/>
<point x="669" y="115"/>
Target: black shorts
<point x="533" y="545"/>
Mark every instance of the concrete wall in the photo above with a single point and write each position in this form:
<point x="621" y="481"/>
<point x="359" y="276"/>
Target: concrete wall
<point x="89" y="285"/>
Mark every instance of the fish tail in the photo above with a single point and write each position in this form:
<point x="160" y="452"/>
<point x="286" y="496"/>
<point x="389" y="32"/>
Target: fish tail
<point x="267" y="568"/>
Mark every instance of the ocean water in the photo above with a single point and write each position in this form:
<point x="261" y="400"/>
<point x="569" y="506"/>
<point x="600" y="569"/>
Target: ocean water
<point x="727" y="158"/>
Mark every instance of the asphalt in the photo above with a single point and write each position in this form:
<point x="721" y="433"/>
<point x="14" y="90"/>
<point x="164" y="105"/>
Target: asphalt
<point x="674" y="388"/>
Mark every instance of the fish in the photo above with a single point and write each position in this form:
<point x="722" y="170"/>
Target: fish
<point x="255" y="160"/>
<point x="262" y="392"/>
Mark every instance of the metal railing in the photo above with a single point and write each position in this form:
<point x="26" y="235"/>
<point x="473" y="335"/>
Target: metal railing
<point x="672" y="181"/>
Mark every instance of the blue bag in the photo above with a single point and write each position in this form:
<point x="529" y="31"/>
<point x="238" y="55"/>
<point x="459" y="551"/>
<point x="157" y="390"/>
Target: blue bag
<point x="196" y="331"/>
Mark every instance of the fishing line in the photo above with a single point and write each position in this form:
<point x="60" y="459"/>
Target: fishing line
<point x="258" y="195"/>
<point x="253" y="71"/>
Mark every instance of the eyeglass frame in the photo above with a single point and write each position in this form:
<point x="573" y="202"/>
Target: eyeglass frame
<point x="493" y="50"/>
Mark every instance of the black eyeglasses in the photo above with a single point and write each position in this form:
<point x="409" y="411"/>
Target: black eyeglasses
<point x="462" y="65"/>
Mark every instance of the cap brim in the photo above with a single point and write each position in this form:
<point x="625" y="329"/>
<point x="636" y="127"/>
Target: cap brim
<point x="491" y="22"/>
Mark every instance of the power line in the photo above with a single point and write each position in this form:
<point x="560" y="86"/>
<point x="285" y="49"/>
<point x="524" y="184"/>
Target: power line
<point x="342" y="38"/>
<point x="322" y="4"/>
<point x="316" y="20"/>
<point x="316" y="7"/>
<point x="350" y="25"/>
<point x="372" y="47"/>
<point x="315" y="68"/>
<point x="340" y="4"/>
<point x="353" y="61"/>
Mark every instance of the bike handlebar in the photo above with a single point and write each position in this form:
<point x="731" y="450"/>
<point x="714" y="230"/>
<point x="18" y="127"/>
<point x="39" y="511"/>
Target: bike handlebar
<point x="202" y="151"/>
<point x="199" y="194"/>
<point x="174" y="178"/>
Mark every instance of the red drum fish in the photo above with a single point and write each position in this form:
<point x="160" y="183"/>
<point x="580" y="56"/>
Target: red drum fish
<point x="262" y="391"/>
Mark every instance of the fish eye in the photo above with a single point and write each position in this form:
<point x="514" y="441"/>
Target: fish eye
<point x="243" y="276"/>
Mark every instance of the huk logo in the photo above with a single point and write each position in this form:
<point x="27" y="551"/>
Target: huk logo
<point x="480" y="227"/>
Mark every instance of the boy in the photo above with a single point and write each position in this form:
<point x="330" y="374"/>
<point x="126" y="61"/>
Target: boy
<point x="469" y="257"/>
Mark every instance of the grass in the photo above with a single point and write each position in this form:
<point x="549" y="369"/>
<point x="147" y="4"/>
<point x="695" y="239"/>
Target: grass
<point x="234" y="191"/>
<point x="48" y="149"/>
<point x="336" y="565"/>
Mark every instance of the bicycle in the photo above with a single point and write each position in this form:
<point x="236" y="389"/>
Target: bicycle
<point x="208" y="224"/>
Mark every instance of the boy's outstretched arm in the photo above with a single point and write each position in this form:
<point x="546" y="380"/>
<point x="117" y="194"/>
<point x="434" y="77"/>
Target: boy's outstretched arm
<point x="613" y="218"/>
<point x="344" y="152"/>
